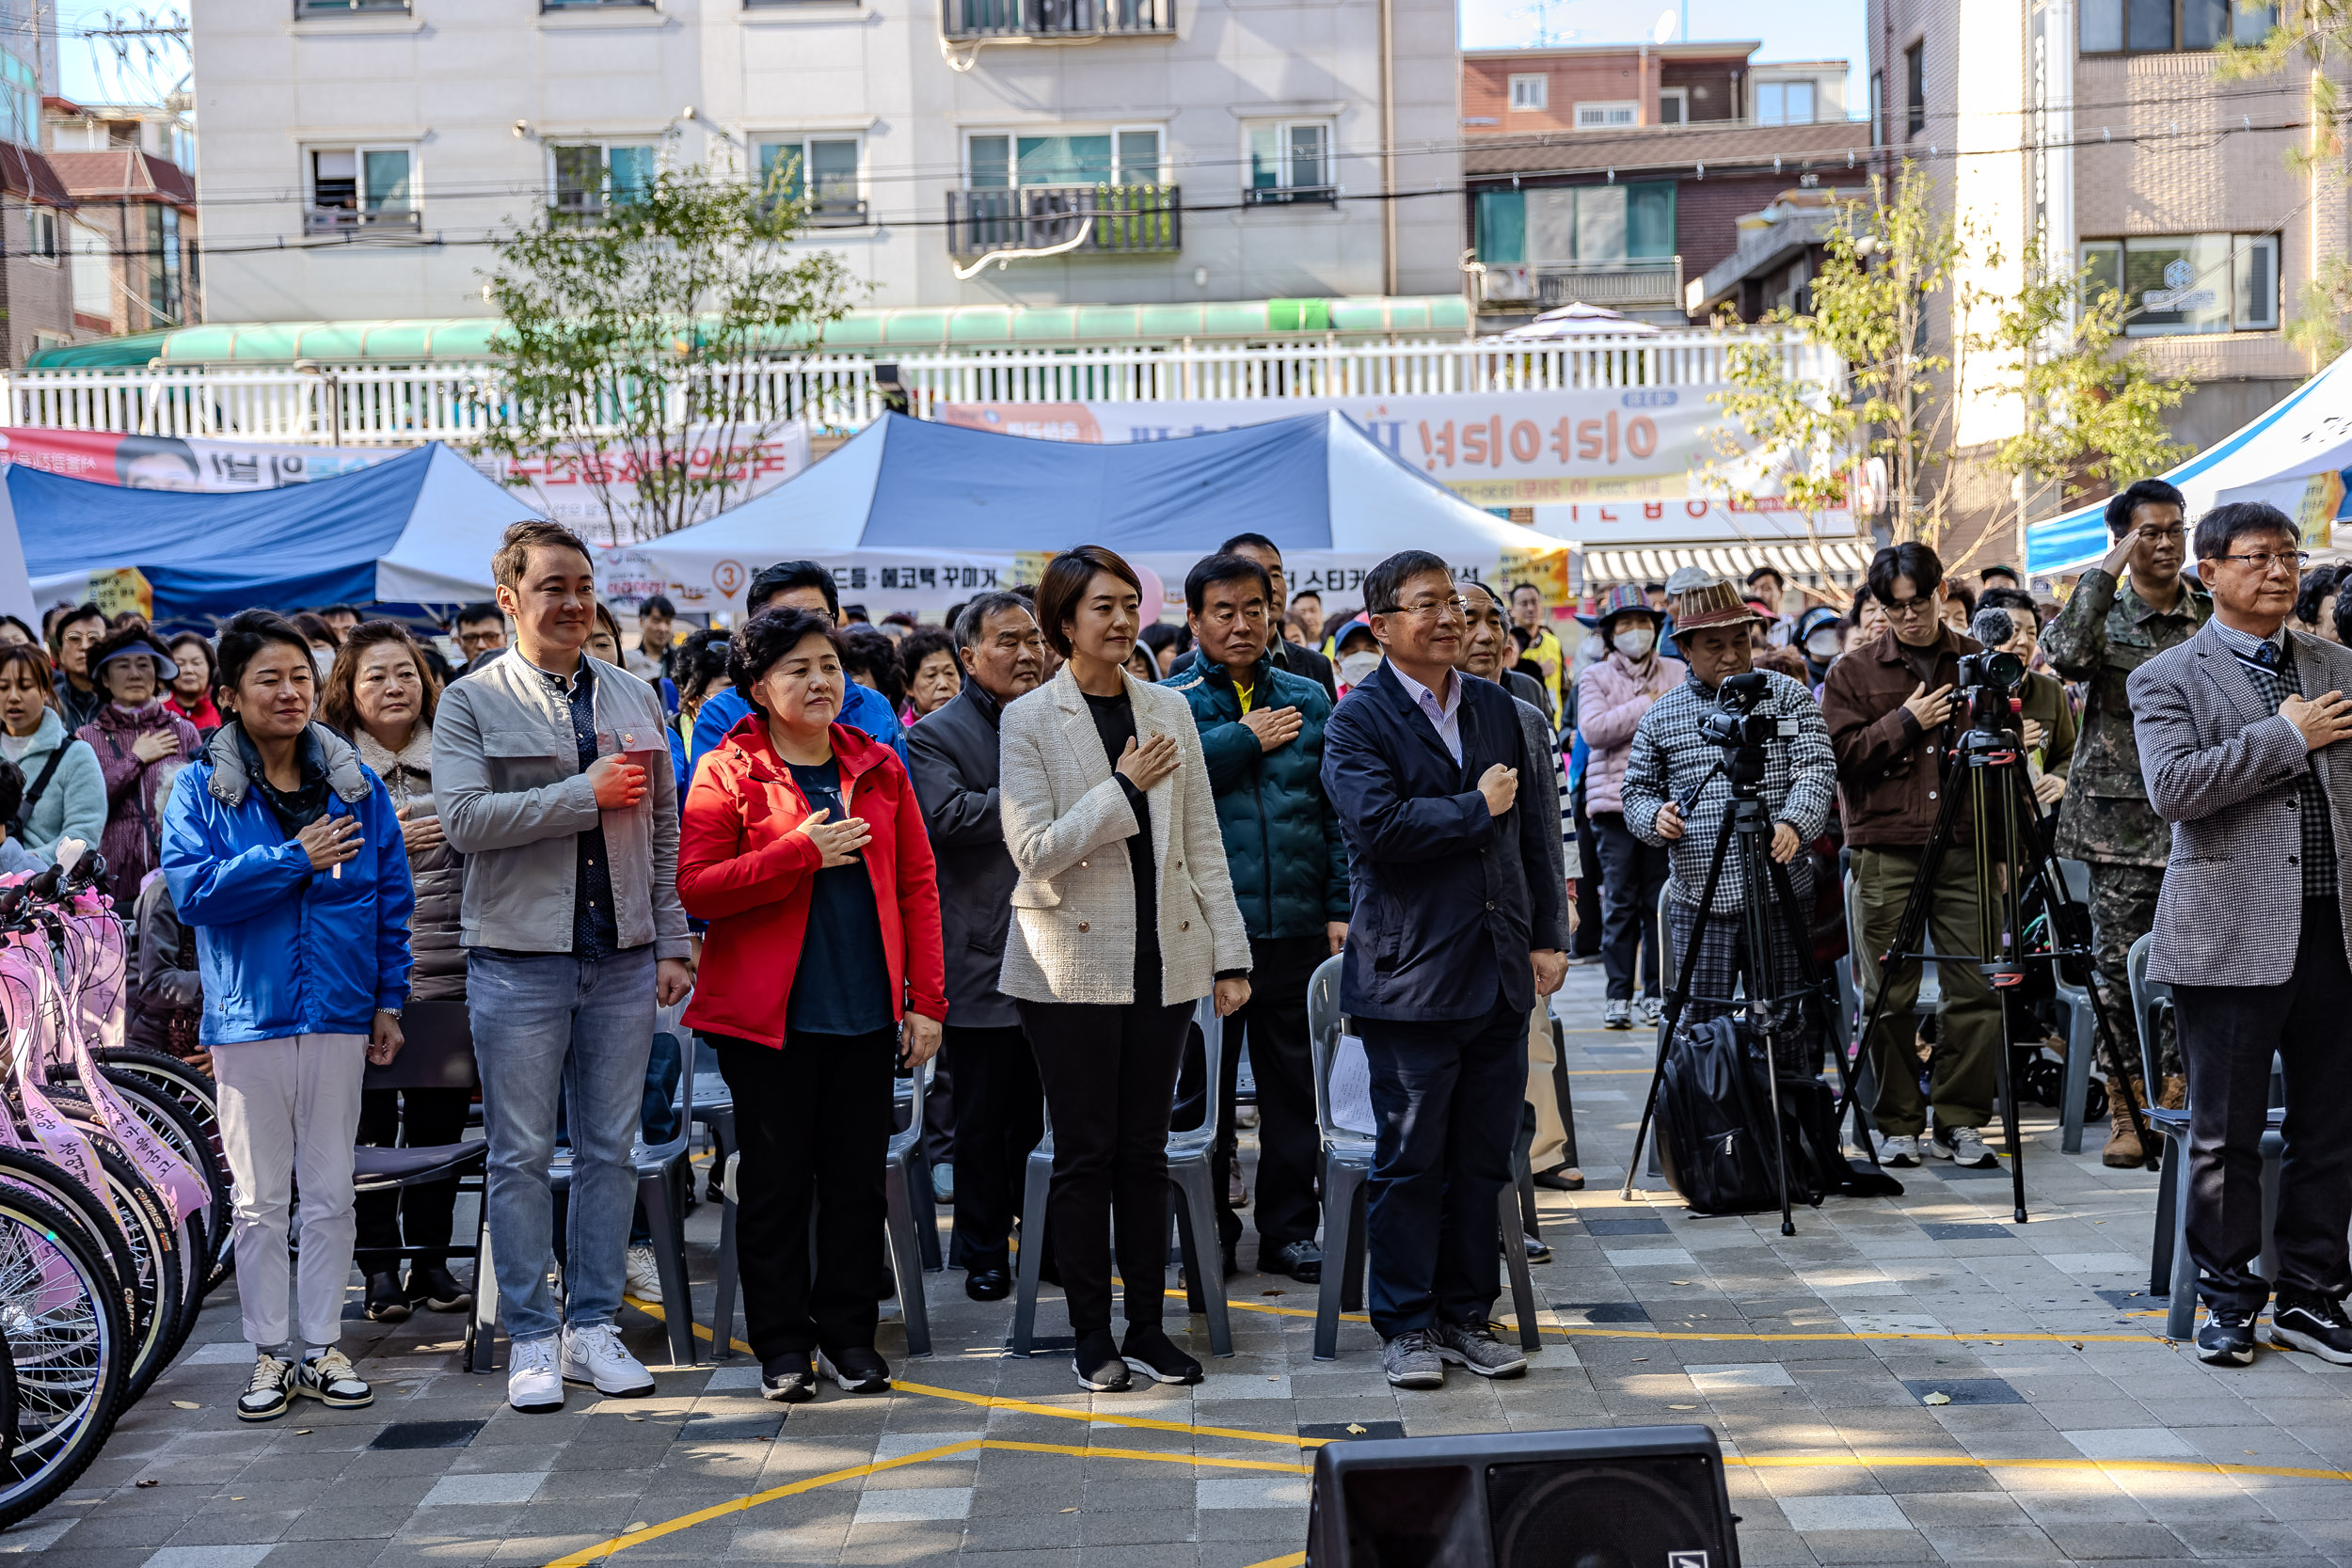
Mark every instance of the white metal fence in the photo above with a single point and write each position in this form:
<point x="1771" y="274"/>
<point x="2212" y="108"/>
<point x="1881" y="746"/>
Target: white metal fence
<point x="409" y="404"/>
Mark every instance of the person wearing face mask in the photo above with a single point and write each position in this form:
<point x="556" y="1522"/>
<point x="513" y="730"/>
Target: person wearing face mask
<point x="65" y="794"/>
<point x="324" y="640"/>
<point x="140" y="745"/>
<point x="1611" y="698"/>
<point x="1821" y="636"/>
<point x="1359" y="654"/>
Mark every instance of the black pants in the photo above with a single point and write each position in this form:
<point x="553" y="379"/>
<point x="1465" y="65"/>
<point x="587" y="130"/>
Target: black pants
<point x="2228" y="1034"/>
<point x="1448" y="1097"/>
<point x="998" y="1120"/>
<point x="432" y="1117"/>
<point x="1289" y="1148"/>
<point x="1632" y="874"/>
<point x="1111" y="1084"/>
<point x="813" y="1120"/>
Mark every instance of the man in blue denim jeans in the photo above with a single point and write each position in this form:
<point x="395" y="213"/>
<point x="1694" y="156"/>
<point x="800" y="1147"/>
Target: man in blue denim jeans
<point x="573" y="935"/>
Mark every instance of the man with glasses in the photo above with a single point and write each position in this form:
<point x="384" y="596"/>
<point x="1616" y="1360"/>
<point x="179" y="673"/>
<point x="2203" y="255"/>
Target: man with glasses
<point x="1455" y="931"/>
<point x="2242" y="735"/>
<point x="2110" y="628"/>
<point x="1887" y="704"/>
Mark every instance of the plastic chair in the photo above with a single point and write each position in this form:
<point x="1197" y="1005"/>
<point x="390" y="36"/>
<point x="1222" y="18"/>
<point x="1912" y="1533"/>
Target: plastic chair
<point x="711" y="1106"/>
<point x="911" y="1174"/>
<point x="2171" y="1273"/>
<point x="1346" y="1165"/>
<point x="906" y="1270"/>
<point x="1188" y="1175"/>
<point x="437" y="1054"/>
<point x="2082" y="1028"/>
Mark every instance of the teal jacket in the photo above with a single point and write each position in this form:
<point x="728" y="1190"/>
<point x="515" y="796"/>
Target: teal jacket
<point x="1283" y="842"/>
<point x="74" y="804"/>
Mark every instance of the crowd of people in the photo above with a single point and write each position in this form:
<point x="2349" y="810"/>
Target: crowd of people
<point x="1018" y="850"/>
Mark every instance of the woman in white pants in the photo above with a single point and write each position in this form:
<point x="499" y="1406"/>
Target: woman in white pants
<point x="283" y="853"/>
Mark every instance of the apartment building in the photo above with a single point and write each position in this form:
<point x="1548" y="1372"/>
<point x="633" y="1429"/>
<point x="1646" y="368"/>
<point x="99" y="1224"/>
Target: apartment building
<point x="2101" y="131"/>
<point x="132" y="238"/>
<point x="358" y="155"/>
<point x="1616" y="175"/>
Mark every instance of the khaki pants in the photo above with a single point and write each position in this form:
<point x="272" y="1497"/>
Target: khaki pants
<point x="1963" y="1082"/>
<point x="1551" y="1136"/>
<point x="288" y="1115"/>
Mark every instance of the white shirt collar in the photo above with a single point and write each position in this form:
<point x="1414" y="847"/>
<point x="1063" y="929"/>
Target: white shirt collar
<point x="1422" y="695"/>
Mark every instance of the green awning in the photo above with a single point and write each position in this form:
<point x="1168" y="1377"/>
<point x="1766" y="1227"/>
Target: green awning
<point x="911" y="329"/>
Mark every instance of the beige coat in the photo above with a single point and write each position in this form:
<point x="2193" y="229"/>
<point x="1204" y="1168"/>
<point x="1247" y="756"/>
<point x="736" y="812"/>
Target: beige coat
<point x="1067" y="821"/>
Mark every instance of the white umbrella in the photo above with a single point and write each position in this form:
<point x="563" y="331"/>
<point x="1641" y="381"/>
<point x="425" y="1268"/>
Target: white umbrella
<point x="1581" y="321"/>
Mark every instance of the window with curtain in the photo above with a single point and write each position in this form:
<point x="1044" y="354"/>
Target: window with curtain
<point x="1124" y="156"/>
<point x="2175" y="284"/>
<point x="588" y="175"/>
<point x="1632" y="222"/>
<point x="2164" y="26"/>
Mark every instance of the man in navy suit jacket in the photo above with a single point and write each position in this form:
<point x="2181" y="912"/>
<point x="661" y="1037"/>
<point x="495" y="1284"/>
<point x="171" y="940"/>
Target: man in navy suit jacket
<point x="1454" y="932"/>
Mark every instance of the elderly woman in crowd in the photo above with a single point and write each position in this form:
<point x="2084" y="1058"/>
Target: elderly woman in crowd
<point x="285" y="851"/>
<point x="140" y="744"/>
<point x="804" y="848"/>
<point x="1123" y="919"/>
<point x="65" y="793"/>
<point x="379" y="696"/>
<point x="191" y="693"/>
<point x="928" y="654"/>
<point x="1611" y="698"/>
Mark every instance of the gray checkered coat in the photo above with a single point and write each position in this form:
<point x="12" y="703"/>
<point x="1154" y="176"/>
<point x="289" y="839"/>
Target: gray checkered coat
<point x="1670" y="756"/>
<point x="2226" y="771"/>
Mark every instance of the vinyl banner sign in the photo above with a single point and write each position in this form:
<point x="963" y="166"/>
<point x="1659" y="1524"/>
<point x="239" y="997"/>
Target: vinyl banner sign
<point x="1492" y="449"/>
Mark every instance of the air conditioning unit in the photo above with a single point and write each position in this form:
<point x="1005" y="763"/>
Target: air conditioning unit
<point x="1507" y="285"/>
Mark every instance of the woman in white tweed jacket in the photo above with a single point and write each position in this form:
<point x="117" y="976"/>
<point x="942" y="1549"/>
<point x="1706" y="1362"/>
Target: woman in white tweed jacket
<point x="1123" y="917"/>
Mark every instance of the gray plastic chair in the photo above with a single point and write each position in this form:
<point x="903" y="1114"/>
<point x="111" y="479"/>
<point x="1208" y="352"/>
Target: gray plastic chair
<point x="1347" y="1164"/>
<point x="2082" y="1028"/>
<point x="1190" y="1183"/>
<point x="2170" y="1273"/>
<point x="906" y="1266"/>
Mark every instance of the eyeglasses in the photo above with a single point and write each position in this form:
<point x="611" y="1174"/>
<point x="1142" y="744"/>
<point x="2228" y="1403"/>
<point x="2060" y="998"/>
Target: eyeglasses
<point x="1908" y="609"/>
<point x="1456" y="606"/>
<point x="2264" y="560"/>
<point x="2164" y="536"/>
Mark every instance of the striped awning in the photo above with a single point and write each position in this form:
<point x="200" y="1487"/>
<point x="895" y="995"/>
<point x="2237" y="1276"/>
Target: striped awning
<point x="1841" y="562"/>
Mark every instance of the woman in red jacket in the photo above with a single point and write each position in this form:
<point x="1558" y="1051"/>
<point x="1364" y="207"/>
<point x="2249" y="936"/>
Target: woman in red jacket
<point x="804" y="848"/>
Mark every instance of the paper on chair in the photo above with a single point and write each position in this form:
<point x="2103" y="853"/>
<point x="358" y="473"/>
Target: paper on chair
<point x="1351" y="1088"/>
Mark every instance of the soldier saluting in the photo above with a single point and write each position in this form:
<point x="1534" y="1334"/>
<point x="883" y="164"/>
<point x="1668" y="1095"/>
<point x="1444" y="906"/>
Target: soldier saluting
<point x="2110" y="628"/>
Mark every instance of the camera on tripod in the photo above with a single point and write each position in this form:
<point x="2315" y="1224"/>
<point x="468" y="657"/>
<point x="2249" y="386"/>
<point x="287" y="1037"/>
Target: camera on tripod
<point x="1737" y="728"/>
<point x="1989" y="683"/>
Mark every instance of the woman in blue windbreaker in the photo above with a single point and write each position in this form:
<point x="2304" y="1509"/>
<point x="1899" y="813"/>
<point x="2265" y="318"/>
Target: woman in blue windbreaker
<point x="284" y="854"/>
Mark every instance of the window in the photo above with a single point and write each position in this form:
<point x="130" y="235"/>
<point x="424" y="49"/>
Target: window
<point x="1674" y="105"/>
<point x="41" y="232"/>
<point x="1878" y="107"/>
<point x="93" y="273"/>
<point x="1290" y="163"/>
<point x="821" y="170"/>
<point x="1557" y="224"/>
<point x="2158" y="26"/>
<point x="2186" y="283"/>
<point x="1916" y="89"/>
<point x="1600" y="117"/>
<point x="587" y="175"/>
<point x="348" y="7"/>
<point x="1783" y="102"/>
<point x="21" y="87"/>
<point x="1531" y="93"/>
<point x="163" y="291"/>
<point x="1125" y="156"/>
<point x="360" y="187"/>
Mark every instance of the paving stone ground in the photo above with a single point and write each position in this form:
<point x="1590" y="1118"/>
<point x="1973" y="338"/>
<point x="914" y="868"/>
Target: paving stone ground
<point x="2074" y="1433"/>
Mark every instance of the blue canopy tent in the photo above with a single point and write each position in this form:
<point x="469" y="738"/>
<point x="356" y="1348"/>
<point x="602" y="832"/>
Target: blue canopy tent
<point x="916" y="516"/>
<point x="418" y="529"/>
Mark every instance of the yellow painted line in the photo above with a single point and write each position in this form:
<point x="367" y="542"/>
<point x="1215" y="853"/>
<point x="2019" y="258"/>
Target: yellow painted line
<point x="1296" y="1560"/>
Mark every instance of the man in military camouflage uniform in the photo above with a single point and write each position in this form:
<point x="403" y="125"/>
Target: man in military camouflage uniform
<point x="2108" y="630"/>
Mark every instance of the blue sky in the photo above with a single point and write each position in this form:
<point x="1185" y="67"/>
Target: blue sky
<point x="1791" y="29"/>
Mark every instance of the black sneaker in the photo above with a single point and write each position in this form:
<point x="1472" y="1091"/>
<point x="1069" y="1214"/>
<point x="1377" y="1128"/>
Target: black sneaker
<point x="265" y="1397"/>
<point x="858" y="1369"/>
<point x="2315" y="1325"/>
<point x="329" y="1378"/>
<point x="1151" y="1352"/>
<point x="387" y="1302"/>
<point x="788" y="1378"/>
<point x="1301" y="1260"/>
<point x="433" y="1288"/>
<point x="1100" y="1367"/>
<point x="2227" y="1338"/>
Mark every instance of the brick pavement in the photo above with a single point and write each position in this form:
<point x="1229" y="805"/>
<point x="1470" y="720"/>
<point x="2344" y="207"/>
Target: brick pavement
<point x="2072" y="1432"/>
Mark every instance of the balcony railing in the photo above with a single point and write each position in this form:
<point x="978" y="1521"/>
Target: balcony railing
<point x="354" y="221"/>
<point x="1053" y="19"/>
<point x="1129" y="220"/>
<point x="1290" y="195"/>
<point x="1648" y="283"/>
<point x="835" y="212"/>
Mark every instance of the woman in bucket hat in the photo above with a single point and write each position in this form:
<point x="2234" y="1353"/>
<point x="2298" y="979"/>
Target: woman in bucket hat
<point x="140" y="744"/>
<point x="1611" y="698"/>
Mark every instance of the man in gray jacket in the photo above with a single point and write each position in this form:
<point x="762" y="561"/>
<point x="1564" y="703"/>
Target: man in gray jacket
<point x="554" y="780"/>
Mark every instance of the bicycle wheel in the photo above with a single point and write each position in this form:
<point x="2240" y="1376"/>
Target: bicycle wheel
<point x="182" y="1246"/>
<point x="64" y="1327"/>
<point x="134" y="1231"/>
<point x="196" y="1093"/>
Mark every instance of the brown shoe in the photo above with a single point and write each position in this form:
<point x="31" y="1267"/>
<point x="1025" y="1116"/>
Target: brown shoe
<point x="2123" y="1151"/>
<point x="2175" y="1093"/>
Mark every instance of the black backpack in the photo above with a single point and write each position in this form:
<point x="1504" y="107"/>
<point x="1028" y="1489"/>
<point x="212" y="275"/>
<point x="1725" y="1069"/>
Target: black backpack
<point x="1715" y="1131"/>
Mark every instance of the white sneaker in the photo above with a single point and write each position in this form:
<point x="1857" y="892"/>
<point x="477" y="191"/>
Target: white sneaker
<point x="1650" y="1009"/>
<point x="594" y="1355"/>
<point x="531" y="1384"/>
<point x="1967" y="1148"/>
<point x="641" y="1276"/>
<point x="1900" y="1151"/>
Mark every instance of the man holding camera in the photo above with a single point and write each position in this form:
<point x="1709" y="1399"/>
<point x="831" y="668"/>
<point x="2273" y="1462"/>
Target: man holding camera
<point x="1887" y="701"/>
<point x="1670" y="799"/>
<point x="2243" y="733"/>
<point x="2110" y="628"/>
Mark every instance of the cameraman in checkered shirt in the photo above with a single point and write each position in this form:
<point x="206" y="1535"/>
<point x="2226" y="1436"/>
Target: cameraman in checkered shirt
<point x="1671" y="756"/>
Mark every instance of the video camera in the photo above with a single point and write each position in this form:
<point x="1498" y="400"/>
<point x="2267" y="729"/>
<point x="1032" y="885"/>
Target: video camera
<point x="1989" y="681"/>
<point x="1736" y="727"/>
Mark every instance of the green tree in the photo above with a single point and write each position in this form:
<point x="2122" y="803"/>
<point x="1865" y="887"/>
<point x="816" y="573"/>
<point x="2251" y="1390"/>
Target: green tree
<point x="634" y="329"/>
<point x="2318" y="32"/>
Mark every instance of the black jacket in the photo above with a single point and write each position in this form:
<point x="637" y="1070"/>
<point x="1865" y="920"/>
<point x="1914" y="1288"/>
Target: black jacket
<point x="1448" y="900"/>
<point x="954" y="752"/>
<point x="1299" y="659"/>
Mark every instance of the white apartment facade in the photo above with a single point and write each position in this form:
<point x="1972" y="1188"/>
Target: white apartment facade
<point x="357" y="155"/>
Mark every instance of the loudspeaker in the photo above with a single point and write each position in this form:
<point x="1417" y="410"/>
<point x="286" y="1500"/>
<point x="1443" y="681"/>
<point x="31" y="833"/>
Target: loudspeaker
<point x="1601" y="1497"/>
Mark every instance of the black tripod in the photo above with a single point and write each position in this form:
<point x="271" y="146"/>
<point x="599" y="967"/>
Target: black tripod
<point x="1749" y="827"/>
<point x="1987" y="765"/>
